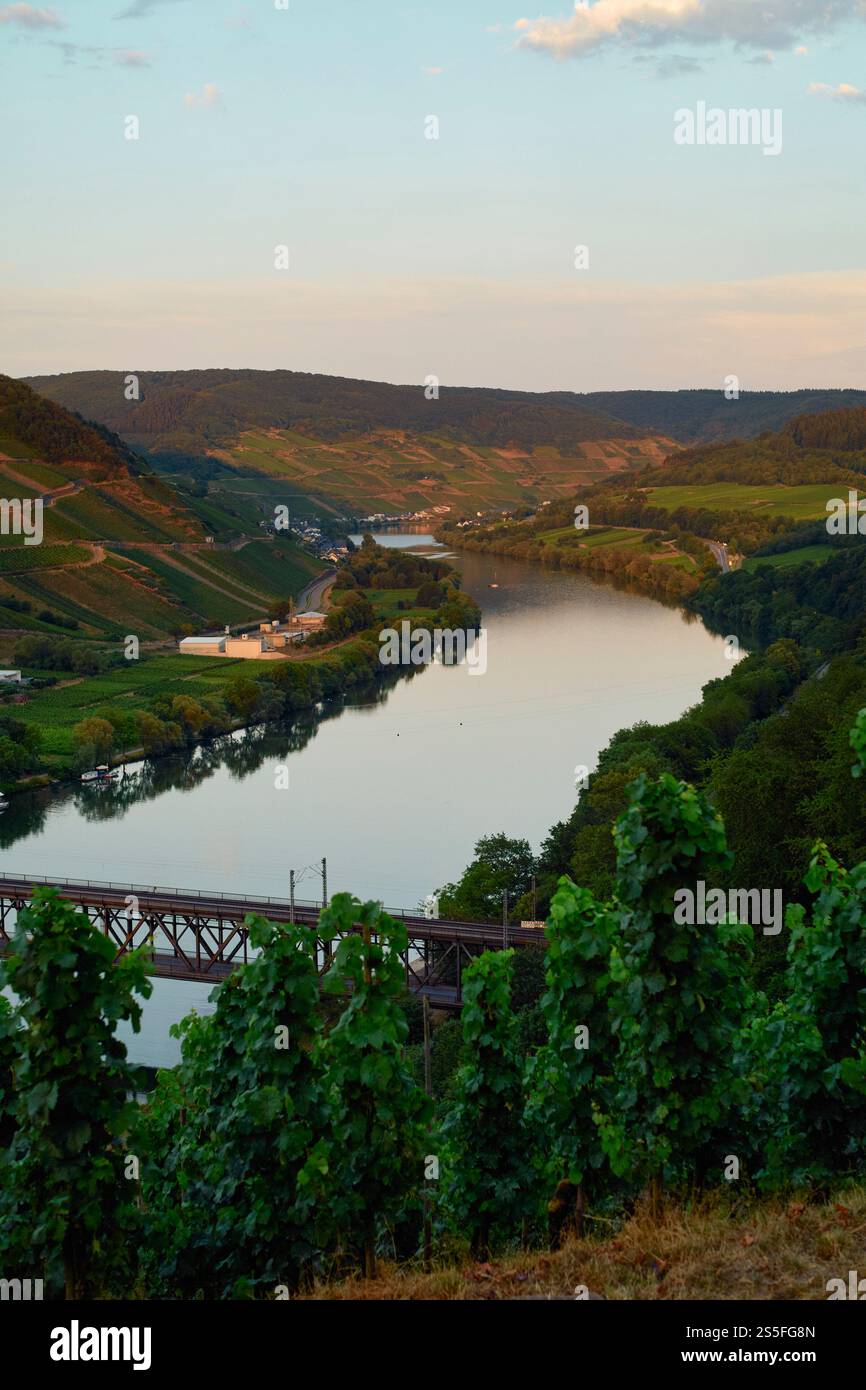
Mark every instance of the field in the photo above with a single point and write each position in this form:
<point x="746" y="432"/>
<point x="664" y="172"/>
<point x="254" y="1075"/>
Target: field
<point x="804" y="503"/>
<point x="274" y="568"/>
<point x="790" y="557"/>
<point x="26" y="478"/>
<point x="396" y="471"/>
<point x="15" y="559"/>
<point x="618" y="538"/>
<point x="256" y="498"/>
<point x="103" y="599"/>
<point x="151" y="593"/>
<point x="197" y="597"/>
<point x="593" y="538"/>
<point x="231" y="586"/>
<point x="611" y="536"/>
<point x="57" y="710"/>
<point x="396" y="603"/>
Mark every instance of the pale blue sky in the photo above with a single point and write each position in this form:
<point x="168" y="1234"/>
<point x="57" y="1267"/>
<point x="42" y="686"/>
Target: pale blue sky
<point x="260" y="126"/>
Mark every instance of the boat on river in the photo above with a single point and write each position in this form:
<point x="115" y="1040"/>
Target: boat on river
<point x="98" y="775"/>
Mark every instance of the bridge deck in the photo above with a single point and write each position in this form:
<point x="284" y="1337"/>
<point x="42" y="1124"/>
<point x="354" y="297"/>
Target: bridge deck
<point x="202" y="936"/>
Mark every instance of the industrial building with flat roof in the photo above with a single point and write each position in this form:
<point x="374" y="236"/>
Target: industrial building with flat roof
<point x="271" y="640"/>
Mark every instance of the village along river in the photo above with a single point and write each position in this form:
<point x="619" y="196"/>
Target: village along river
<point x="395" y="786"/>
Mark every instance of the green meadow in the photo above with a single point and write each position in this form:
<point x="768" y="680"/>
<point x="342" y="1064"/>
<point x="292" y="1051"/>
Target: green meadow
<point x="805" y="502"/>
<point x="788" y="558"/>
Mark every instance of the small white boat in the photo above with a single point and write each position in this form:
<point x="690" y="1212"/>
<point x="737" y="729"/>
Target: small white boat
<point x="101" y="773"/>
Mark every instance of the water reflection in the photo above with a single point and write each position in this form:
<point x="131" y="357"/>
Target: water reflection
<point x="239" y="754"/>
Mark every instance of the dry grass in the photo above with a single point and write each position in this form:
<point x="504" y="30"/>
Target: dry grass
<point x="715" y="1248"/>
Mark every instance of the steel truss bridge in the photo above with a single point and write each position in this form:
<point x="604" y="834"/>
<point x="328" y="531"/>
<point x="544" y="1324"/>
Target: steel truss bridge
<point x="202" y="936"/>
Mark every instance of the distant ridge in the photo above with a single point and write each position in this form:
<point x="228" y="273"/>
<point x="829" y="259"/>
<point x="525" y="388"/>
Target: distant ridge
<point x="702" y="416"/>
<point x="191" y="411"/>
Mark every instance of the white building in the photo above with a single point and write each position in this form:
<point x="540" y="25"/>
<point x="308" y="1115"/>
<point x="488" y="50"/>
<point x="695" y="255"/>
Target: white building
<point x="310" y="620"/>
<point x="202" y="646"/>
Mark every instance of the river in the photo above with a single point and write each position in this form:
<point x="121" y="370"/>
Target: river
<point x="396" y="787"/>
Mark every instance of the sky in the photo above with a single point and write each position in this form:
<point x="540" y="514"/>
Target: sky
<point x="305" y="126"/>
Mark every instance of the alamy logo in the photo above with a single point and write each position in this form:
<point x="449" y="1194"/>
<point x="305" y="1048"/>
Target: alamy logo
<point x="738" y="126"/>
<point x="847" y="519"/>
<point x="758" y="906"/>
<point x="76" y="1343"/>
<point x="855" y="1288"/>
<point x="443" y="646"/>
<point x="20" y="1289"/>
<point x="22" y="517"/>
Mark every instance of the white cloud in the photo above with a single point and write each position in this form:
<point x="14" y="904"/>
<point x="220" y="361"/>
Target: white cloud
<point x="209" y="96"/>
<point x="29" y="17"/>
<point x="132" y="58"/>
<point x="842" y="92"/>
<point x="653" y="23"/>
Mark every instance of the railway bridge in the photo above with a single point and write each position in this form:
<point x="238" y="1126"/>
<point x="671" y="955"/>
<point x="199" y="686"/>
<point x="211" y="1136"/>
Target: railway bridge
<point x="203" y="936"/>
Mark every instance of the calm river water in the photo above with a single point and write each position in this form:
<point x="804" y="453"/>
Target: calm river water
<point x="396" y="788"/>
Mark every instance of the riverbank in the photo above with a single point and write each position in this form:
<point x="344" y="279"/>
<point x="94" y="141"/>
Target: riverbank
<point x="159" y="704"/>
<point x="661" y="565"/>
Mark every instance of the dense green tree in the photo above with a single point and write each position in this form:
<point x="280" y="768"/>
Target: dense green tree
<point x="8" y="1058"/>
<point x="67" y="1204"/>
<point x="19" y="747"/>
<point x="809" y="1053"/>
<point x="564" y="1077"/>
<point x="94" y="740"/>
<point x="233" y="1194"/>
<point x="242" y="696"/>
<point x="378" y="1115"/>
<point x="501" y="864"/>
<point x="488" y="1183"/>
<point x="678" y="1004"/>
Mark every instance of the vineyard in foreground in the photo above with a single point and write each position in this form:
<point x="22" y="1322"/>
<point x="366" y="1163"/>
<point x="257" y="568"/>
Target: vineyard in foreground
<point x="293" y="1142"/>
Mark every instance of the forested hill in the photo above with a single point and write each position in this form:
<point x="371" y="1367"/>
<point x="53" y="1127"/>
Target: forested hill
<point x="830" y="447"/>
<point x="188" y="410"/>
<point x="704" y="416"/>
<point x="54" y="434"/>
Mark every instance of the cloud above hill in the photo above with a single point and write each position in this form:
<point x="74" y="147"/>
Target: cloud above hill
<point x="655" y="23"/>
<point x="844" y="91"/>
<point x="29" y="17"/>
<point x="208" y="96"/>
